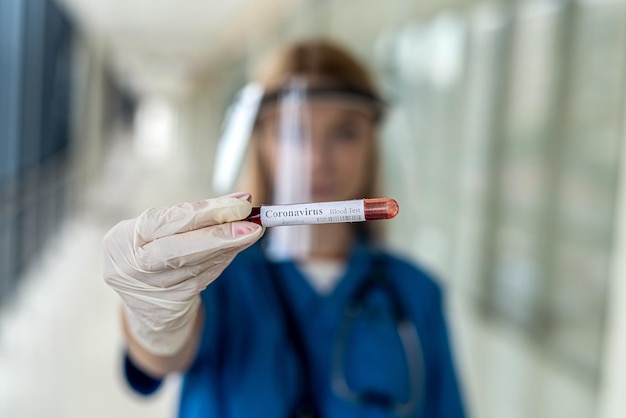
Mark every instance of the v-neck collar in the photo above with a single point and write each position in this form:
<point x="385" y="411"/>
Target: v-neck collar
<point x="306" y="301"/>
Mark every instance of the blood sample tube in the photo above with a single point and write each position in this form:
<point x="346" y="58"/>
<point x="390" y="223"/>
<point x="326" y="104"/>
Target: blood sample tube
<point x="324" y="212"/>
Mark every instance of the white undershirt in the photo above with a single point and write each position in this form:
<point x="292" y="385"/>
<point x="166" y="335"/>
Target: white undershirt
<point x="323" y="275"/>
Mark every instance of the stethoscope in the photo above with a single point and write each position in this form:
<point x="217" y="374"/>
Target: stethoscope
<point x="409" y="337"/>
<point x="357" y="305"/>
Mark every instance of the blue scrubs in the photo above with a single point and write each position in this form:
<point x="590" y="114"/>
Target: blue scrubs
<point x="246" y="365"/>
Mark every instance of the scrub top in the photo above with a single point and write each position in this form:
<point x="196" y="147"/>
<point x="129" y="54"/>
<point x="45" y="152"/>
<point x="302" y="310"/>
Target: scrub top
<point x="247" y="365"/>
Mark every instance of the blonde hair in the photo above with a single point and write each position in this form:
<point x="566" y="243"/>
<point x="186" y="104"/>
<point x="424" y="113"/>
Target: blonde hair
<point x="318" y="59"/>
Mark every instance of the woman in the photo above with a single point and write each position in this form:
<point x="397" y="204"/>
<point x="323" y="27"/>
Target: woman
<point x="339" y="329"/>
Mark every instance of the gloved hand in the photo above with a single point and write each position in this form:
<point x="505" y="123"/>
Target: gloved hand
<point x="161" y="261"/>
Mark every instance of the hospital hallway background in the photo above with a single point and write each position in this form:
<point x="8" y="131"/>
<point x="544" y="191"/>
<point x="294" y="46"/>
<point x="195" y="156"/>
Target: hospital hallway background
<point x="60" y="340"/>
<point x="504" y="145"/>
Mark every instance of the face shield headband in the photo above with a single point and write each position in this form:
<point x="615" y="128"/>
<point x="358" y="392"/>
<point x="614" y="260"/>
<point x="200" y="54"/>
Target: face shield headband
<point x="341" y="92"/>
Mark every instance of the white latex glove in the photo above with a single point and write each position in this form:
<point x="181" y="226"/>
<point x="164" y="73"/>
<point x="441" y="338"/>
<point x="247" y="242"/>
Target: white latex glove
<point x="161" y="261"/>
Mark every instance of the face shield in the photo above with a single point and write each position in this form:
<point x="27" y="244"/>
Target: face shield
<point x="309" y="142"/>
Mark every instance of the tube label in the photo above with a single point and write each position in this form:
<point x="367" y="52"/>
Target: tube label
<point x="313" y="213"/>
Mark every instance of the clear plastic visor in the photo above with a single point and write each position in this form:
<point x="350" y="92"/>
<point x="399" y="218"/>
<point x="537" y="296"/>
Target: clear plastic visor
<point x="298" y="135"/>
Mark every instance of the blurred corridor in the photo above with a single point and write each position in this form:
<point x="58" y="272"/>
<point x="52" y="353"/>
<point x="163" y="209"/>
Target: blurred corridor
<point x="504" y="146"/>
<point x="59" y="334"/>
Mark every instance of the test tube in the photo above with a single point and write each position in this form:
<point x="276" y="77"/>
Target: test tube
<point x="324" y="212"/>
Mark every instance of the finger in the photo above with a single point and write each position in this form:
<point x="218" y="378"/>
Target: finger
<point x="161" y="222"/>
<point x="128" y="275"/>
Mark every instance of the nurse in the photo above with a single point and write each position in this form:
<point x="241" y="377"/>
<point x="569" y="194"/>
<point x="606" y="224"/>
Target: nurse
<point x="293" y="321"/>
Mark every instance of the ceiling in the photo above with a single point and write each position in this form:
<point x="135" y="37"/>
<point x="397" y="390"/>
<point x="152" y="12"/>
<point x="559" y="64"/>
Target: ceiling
<point x="163" y="45"/>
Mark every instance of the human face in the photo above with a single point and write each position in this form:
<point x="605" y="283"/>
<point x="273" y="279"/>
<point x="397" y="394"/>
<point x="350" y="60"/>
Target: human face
<point x="341" y="145"/>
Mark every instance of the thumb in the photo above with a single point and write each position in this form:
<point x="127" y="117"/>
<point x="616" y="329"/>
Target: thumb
<point x="198" y="246"/>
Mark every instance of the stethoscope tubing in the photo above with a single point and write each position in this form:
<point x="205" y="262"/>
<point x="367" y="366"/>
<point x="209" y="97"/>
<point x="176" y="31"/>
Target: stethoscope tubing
<point x="411" y="345"/>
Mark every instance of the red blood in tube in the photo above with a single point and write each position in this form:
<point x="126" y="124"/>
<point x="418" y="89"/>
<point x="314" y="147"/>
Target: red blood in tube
<point x="255" y="216"/>
<point x="383" y="208"/>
